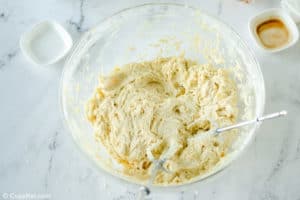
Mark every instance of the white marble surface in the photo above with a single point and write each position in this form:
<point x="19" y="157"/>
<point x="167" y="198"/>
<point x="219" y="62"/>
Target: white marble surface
<point x="38" y="156"/>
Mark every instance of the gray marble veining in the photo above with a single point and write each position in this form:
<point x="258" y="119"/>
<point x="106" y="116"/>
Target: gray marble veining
<point x="39" y="156"/>
<point x="78" y="24"/>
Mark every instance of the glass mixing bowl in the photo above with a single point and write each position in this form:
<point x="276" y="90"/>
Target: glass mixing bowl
<point x="145" y="32"/>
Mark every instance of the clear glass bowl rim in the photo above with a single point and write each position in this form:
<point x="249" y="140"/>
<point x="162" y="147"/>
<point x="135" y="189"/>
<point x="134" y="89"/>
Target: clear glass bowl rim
<point x="81" y="41"/>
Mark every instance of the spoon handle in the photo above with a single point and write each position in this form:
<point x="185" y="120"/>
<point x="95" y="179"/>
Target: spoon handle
<point x="253" y="121"/>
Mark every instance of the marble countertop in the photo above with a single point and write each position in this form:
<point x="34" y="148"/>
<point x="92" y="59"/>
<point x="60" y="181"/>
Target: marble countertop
<point x="38" y="156"/>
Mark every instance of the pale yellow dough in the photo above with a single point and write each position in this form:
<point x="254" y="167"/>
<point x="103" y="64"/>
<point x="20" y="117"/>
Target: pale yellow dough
<point x="159" y="109"/>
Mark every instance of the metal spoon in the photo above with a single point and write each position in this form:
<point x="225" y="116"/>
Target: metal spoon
<point x="253" y="121"/>
<point x="145" y="191"/>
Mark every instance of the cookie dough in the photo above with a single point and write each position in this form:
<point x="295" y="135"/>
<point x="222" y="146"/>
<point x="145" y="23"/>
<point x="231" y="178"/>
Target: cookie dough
<point x="158" y="109"/>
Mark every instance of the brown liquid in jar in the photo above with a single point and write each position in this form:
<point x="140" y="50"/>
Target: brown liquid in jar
<point x="273" y="33"/>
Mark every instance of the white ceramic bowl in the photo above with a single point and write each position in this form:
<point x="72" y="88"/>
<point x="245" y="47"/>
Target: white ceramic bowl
<point x="274" y="13"/>
<point x="45" y="43"/>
